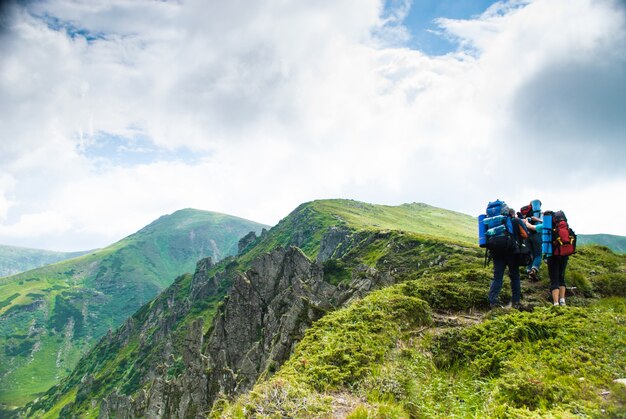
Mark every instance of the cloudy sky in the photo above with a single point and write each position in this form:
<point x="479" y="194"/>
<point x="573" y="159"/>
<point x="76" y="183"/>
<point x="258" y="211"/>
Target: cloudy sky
<point x="114" y="112"/>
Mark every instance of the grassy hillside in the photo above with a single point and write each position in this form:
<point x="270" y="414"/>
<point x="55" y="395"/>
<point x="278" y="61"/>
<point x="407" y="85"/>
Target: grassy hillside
<point x="49" y="317"/>
<point x="377" y="233"/>
<point x="615" y="243"/>
<point x="14" y="260"/>
<point x="385" y="357"/>
<point x="392" y="354"/>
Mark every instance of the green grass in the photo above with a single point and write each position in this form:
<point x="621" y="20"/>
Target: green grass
<point x="548" y="361"/>
<point x="415" y="218"/>
<point x="552" y="362"/>
<point x="35" y="373"/>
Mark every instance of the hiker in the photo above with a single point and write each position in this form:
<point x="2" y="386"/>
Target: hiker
<point x="532" y="213"/>
<point x="557" y="262"/>
<point x="510" y="260"/>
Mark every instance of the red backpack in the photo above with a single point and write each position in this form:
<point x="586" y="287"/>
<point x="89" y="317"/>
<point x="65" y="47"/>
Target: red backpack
<point x="563" y="237"/>
<point x="526" y="211"/>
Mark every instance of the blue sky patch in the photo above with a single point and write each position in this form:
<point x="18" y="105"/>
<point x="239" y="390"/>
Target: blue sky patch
<point x="71" y="29"/>
<point x="420" y="22"/>
<point x="107" y="149"/>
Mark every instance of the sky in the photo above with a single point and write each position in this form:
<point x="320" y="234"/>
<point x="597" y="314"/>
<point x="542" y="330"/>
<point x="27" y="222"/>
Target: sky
<point x="115" y="112"/>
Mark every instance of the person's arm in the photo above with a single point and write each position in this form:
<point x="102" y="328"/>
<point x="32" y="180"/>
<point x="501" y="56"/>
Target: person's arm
<point x="531" y="227"/>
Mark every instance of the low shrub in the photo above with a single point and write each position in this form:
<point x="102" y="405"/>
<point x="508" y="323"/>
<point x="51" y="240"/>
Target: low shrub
<point x="275" y="398"/>
<point x="345" y="345"/>
<point x="379" y="411"/>
<point x="611" y="284"/>
<point x="578" y="280"/>
<point x="452" y="291"/>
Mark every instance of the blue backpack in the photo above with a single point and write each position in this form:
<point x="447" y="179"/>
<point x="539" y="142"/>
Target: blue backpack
<point x="496" y="230"/>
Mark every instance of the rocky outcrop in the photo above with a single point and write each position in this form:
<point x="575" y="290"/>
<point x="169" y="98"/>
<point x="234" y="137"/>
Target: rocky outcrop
<point x="118" y="403"/>
<point x="333" y="241"/>
<point x="255" y="330"/>
<point x="246" y="241"/>
<point x="267" y="312"/>
<point x="199" y="282"/>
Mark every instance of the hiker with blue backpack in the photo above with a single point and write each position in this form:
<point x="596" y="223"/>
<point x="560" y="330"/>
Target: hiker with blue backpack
<point x="503" y="235"/>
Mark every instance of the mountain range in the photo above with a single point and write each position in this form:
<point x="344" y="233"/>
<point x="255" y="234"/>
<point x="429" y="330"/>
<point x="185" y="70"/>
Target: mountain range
<point x="51" y="316"/>
<point x="349" y="309"/>
<point x="14" y="260"/>
<point x="613" y="242"/>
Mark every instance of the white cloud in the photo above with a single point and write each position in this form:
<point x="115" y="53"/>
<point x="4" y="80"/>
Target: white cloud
<point x="297" y="101"/>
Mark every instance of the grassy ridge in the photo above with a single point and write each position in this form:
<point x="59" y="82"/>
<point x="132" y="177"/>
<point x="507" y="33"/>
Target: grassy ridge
<point x="306" y="225"/>
<point x="415" y="218"/>
<point x="49" y="317"/>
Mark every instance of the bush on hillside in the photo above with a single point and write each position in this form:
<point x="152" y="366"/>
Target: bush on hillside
<point x="344" y="345"/>
<point x="612" y="284"/>
<point x="452" y="291"/>
<point x="577" y="279"/>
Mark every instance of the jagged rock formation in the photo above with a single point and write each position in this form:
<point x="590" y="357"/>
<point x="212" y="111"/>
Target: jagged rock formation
<point x="246" y="241"/>
<point x="265" y="315"/>
<point x="333" y="243"/>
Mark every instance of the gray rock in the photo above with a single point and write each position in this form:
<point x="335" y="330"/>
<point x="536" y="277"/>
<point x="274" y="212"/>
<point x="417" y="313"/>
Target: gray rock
<point x="116" y="406"/>
<point x="331" y="241"/>
<point x="246" y="241"/>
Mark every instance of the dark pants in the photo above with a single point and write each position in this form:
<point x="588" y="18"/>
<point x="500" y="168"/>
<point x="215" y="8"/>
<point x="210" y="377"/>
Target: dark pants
<point x="499" y="264"/>
<point x="556" y="270"/>
<point x="535" y="245"/>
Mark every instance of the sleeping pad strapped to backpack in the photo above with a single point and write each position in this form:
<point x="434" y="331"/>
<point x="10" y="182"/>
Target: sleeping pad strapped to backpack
<point x="496" y="233"/>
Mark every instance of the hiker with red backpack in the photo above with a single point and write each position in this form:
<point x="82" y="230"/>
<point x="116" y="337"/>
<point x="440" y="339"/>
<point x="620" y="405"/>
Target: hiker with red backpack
<point x="559" y="242"/>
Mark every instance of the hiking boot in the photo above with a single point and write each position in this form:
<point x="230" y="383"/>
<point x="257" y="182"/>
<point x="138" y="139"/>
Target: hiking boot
<point x="533" y="274"/>
<point x="517" y="306"/>
<point x="562" y="302"/>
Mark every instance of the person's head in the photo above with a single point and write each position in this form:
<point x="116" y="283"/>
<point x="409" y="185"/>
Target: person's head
<point x="511" y="212"/>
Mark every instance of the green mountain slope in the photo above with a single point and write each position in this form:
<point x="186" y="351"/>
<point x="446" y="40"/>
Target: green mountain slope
<point x="379" y="284"/>
<point x="49" y="317"/>
<point x="14" y="260"/>
<point x="615" y="243"/>
<point x="129" y="357"/>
